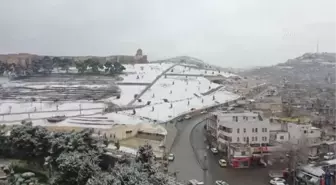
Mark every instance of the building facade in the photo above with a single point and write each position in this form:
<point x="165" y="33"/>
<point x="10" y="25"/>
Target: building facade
<point x="239" y="135"/>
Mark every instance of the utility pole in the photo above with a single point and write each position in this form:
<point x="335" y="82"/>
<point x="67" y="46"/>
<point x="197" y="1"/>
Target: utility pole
<point x="205" y="169"/>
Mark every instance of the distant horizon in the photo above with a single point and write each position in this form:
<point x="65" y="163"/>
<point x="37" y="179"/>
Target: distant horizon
<point x="244" y="67"/>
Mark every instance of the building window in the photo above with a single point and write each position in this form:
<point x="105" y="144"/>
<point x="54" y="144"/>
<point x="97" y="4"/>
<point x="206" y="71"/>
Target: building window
<point x="252" y="138"/>
<point x="256" y="138"/>
<point x="225" y="129"/>
<point x="238" y="140"/>
<point x="305" y="131"/>
<point x="244" y="139"/>
<point x="264" y="129"/>
<point x="243" y="153"/>
<point x="252" y="129"/>
<point x="238" y="130"/>
<point x="282" y="137"/>
<point x="244" y="130"/>
<point x="264" y="138"/>
<point x="256" y="129"/>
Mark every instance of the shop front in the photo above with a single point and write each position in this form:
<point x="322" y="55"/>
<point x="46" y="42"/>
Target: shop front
<point x="241" y="162"/>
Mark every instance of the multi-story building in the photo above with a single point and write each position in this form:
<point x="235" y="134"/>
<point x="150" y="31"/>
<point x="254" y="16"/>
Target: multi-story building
<point x="301" y="134"/>
<point x="239" y="135"/>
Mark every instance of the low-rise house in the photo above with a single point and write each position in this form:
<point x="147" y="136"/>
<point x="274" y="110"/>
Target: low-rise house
<point x="273" y="104"/>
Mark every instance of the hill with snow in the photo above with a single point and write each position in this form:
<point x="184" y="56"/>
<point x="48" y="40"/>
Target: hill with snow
<point x="310" y="67"/>
<point x="159" y="92"/>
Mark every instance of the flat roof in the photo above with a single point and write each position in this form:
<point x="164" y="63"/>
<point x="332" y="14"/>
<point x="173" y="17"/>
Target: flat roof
<point x="316" y="169"/>
<point x="230" y="114"/>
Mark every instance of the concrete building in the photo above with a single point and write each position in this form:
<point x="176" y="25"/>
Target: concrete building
<point x="299" y="132"/>
<point x="239" y="135"/>
<point x="241" y="128"/>
<point x="273" y="104"/>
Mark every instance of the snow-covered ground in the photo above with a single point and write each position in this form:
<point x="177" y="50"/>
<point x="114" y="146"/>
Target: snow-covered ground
<point x="127" y="94"/>
<point x="143" y="73"/>
<point x="163" y="112"/>
<point x="194" y="71"/>
<point x="182" y="93"/>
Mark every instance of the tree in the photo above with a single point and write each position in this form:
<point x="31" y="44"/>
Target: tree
<point x="117" y="144"/>
<point x="75" y="141"/>
<point x="57" y="62"/>
<point x="65" y="64"/>
<point x="113" y="68"/>
<point x="4" y="142"/>
<point x="93" y="64"/>
<point x="81" y="67"/>
<point x="295" y="153"/>
<point x="47" y="64"/>
<point x="29" y="142"/>
<point x="145" y="154"/>
<point x="75" y="158"/>
<point x="3" y="67"/>
<point x="108" y="66"/>
<point x="36" y="65"/>
<point x="118" y="67"/>
<point x="75" y="168"/>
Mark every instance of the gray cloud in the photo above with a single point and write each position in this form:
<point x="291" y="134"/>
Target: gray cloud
<point x="225" y="32"/>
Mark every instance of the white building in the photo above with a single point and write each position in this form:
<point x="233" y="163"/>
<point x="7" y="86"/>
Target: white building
<point x="240" y="128"/>
<point x="303" y="132"/>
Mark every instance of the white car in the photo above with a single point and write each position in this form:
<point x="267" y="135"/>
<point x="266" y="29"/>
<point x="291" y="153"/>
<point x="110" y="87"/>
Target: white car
<point x="277" y="181"/>
<point x="329" y="156"/>
<point x="204" y="112"/>
<point x="171" y="157"/>
<point x="220" y="182"/>
<point x="187" y="117"/>
<point x="222" y="162"/>
<point x="214" y="150"/>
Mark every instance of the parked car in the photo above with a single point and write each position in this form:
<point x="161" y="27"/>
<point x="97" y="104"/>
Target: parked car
<point x="312" y="158"/>
<point x="214" y="150"/>
<point x="204" y="112"/>
<point x="220" y="182"/>
<point x="171" y="157"/>
<point x="222" y="162"/>
<point x="277" y="181"/>
<point x="187" y="117"/>
<point x="329" y="156"/>
<point x="180" y="119"/>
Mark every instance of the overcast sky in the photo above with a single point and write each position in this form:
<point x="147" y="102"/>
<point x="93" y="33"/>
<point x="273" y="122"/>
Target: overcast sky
<point x="230" y="33"/>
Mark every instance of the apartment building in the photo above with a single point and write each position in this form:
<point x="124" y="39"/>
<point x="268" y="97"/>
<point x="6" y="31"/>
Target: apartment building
<point x="240" y="135"/>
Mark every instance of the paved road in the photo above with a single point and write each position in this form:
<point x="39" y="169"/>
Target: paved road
<point x="251" y="176"/>
<point x="185" y="162"/>
<point x="187" y="165"/>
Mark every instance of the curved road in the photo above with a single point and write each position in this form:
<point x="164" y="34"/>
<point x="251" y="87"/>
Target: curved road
<point x="250" y="176"/>
<point x="187" y="165"/>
